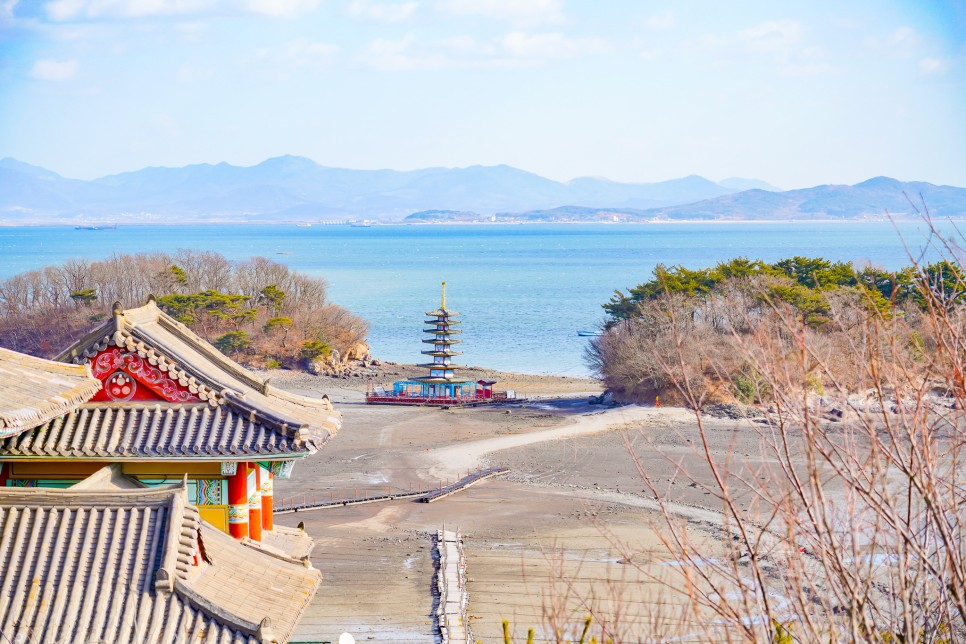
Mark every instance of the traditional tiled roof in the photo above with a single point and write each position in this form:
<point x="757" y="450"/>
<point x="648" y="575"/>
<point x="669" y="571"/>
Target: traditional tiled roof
<point x="119" y="565"/>
<point x="241" y="414"/>
<point x="157" y="430"/>
<point x="34" y="390"/>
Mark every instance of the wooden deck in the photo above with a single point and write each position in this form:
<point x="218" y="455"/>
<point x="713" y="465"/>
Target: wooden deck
<point x="296" y="504"/>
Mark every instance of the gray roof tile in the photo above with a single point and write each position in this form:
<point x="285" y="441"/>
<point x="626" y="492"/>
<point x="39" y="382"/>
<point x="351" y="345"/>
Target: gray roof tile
<point x="115" y="565"/>
<point x="163" y="430"/>
<point x="34" y="390"/>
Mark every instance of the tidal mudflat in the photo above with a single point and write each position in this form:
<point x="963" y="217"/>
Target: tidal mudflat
<point x="569" y="529"/>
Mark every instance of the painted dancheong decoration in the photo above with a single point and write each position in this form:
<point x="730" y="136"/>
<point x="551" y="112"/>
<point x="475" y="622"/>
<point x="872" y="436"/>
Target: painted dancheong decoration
<point x="441" y="386"/>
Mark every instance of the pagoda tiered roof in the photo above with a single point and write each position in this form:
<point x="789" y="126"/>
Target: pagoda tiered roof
<point x="439" y="380"/>
<point x="119" y="563"/>
<point x="34" y="390"/>
<point x="215" y="408"/>
<point x="442" y="312"/>
<point x="442" y="354"/>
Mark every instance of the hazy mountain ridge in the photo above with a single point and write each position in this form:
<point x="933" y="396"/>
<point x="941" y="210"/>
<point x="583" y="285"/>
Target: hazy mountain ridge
<point x="291" y="188"/>
<point x="873" y="198"/>
<point x="296" y="187"/>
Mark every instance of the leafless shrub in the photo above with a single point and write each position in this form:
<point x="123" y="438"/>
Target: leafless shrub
<point x="848" y="525"/>
<point x="42" y="311"/>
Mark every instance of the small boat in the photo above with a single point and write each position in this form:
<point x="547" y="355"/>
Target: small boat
<point x="587" y="334"/>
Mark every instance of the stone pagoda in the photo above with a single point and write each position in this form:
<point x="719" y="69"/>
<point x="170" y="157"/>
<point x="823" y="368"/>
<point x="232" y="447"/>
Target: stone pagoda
<point x="441" y="386"/>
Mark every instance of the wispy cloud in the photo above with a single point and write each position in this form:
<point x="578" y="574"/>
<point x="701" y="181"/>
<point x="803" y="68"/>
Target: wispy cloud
<point x="67" y="10"/>
<point x="78" y="10"/>
<point x="194" y="73"/>
<point x="903" y="42"/>
<point x="515" y="49"/>
<point x="54" y="70"/>
<point x="773" y="36"/>
<point x="382" y="11"/>
<point x="930" y="66"/>
<point x="6" y="9"/>
<point x="520" y="12"/>
<point x="784" y="43"/>
<point x="660" y="21"/>
<point x="282" y="8"/>
<point x="281" y="62"/>
<point x="549" y="46"/>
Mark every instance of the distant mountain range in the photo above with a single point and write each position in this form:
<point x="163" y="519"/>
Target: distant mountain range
<point x="296" y="189"/>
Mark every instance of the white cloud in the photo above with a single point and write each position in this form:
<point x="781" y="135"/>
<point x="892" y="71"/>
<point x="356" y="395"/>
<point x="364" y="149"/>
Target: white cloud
<point x="398" y="55"/>
<point x="783" y="43"/>
<point x="800" y="69"/>
<point x="6" y="8"/>
<point x="660" y="21"/>
<point x="528" y="12"/>
<point x="70" y="10"/>
<point x="903" y="42"/>
<point x="63" y="10"/>
<point x="778" y="36"/>
<point x="515" y="49"/>
<point x="192" y="73"/>
<point x="932" y="66"/>
<point x="282" y="8"/>
<point x="549" y="46"/>
<point x="280" y="62"/>
<point x="382" y="11"/>
<point x="54" y="70"/>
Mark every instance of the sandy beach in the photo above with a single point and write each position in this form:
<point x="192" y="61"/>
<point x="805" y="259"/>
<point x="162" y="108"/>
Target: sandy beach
<point x="553" y="537"/>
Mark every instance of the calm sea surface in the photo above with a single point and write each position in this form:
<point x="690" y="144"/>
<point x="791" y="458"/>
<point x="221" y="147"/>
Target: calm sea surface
<point x="523" y="291"/>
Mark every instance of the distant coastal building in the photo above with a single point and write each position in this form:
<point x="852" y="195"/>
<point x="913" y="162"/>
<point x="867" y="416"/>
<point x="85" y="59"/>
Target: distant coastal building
<point x="166" y="405"/>
<point x="441" y="386"/>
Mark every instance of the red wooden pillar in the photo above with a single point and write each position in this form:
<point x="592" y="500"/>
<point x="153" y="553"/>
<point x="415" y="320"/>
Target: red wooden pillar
<point x="254" y="502"/>
<point x="238" y="501"/>
<point x="4" y="474"/>
<point x="268" y="501"/>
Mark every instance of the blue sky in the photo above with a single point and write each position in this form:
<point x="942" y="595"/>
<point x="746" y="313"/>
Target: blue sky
<point x="795" y="93"/>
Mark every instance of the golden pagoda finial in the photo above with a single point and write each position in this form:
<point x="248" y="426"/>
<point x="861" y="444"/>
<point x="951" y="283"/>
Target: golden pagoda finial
<point x="443" y="305"/>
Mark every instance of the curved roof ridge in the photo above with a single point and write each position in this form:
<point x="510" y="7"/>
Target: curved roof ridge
<point x="155" y="335"/>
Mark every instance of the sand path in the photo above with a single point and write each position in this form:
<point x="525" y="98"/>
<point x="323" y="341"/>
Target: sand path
<point x="467" y="455"/>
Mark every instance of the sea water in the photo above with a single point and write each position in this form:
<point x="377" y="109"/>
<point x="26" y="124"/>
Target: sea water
<point x="523" y="290"/>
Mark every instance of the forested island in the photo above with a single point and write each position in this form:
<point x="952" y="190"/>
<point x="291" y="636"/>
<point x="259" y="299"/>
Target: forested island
<point x="708" y="329"/>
